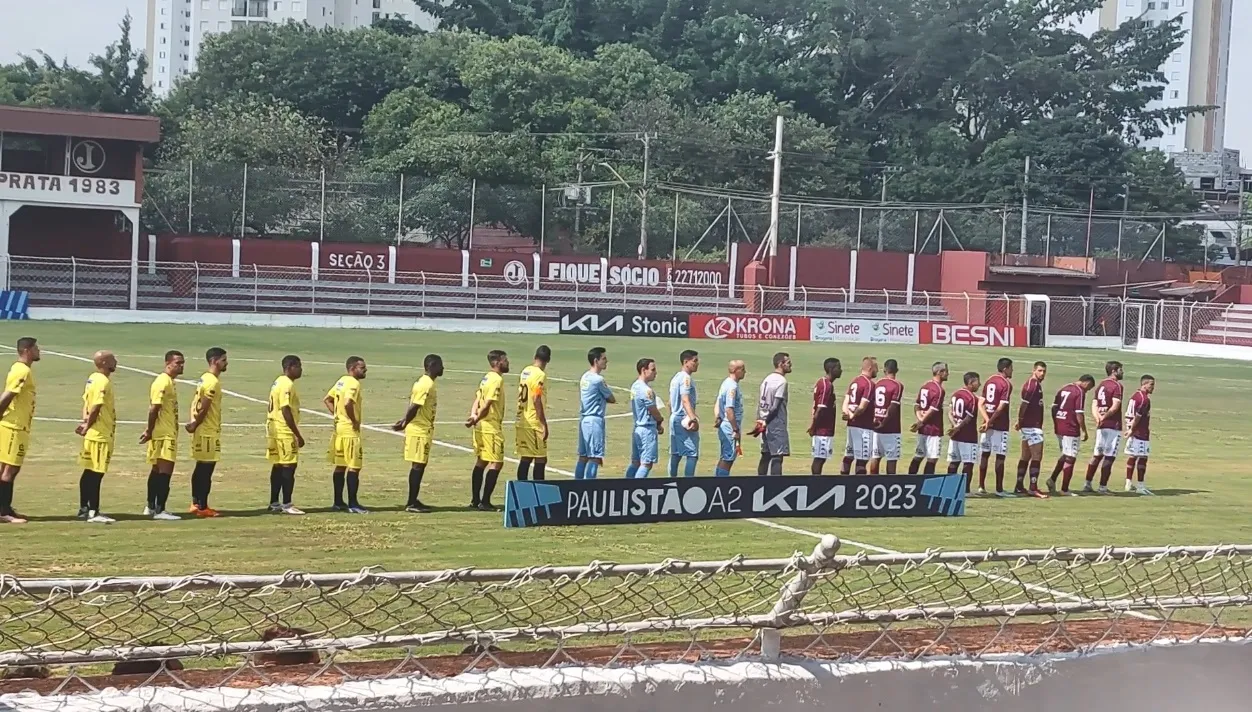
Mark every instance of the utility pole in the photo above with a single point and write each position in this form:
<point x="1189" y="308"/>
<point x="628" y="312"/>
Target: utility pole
<point x="643" y="196"/>
<point x="1025" y="206"/>
<point x="775" y="195"/>
<point x="578" y="206"/>
<point x="882" y="202"/>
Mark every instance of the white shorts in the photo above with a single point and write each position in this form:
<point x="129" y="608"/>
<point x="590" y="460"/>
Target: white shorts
<point x="1032" y="436"/>
<point x="962" y="452"/>
<point x="823" y="447"/>
<point x="1138" y="448"/>
<point x="995" y="442"/>
<point x="860" y="444"/>
<point x="887" y="446"/>
<point x="928" y="447"/>
<point x="1106" y="442"/>
<point x="1069" y="444"/>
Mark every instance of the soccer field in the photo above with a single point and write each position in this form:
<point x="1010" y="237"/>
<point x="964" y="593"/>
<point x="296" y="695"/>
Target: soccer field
<point x="1202" y="458"/>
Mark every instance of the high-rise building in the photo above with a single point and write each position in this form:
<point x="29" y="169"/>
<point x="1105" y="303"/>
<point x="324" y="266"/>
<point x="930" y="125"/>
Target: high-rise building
<point x="177" y="28"/>
<point x="1197" y="71"/>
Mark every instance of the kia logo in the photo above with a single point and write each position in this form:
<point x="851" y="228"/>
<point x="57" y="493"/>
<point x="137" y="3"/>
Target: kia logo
<point x="719" y="327"/>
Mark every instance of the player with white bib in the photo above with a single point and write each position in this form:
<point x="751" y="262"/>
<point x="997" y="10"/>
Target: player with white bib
<point x="1070" y="425"/>
<point x="822" y="422"/>
<point x="1138" y="433"/>
<point x="928" y="414"/>
<point x="1106" y="407"/>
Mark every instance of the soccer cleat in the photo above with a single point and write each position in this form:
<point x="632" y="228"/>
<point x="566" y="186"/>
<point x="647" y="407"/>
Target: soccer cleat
<point x="1037" y="494"/>
<point x="1087" y="488"/>
<point x="99" y="518"/>
<point x="1070" y="494"/>
<point x="207" y="513"/>
<point x="1104" y="490"/>
<point x="339" y="508"/>
<point x="82" y="512"/>
<point x="147" y="512"/>
<point x="418" y="508"/>
<point x="166" y="517"/>
<point x="981" y="492"/>
<point x="14" y="518"/>
<point x="275" y="508"/>
<point x="1021" y="491"/>
<point x="487" y="507"/>
<point x="357" y="509"/>
<point x="292" y="509"/>
<point x="1052" y="486"/>
<point x="193" y="508"/>
<point x="1130" y="486"/>
<point x="1002" y="494"/>
<point x="1143" y="490"/>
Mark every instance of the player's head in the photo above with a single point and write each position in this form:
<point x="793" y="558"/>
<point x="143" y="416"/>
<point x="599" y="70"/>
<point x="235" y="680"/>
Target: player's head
<point x="782" y="362"/>
<point x="646" y="368"/>
<point x="433" y="365"/>
<point x="890" y="367"/>
<point x="28" y="349"/>
<point x="293" y="368"/>
<point x="690" y="360"/>
<point x="1004" y="367"/>
<point x="105" y="362"/>
<point x="1147" y="383"/>
<point x="737" y="369"/>
<point x="1114" y="370"/>
<point x="939" y="371"/>
<point x="216" y="358"/>
<point x="355" y="366"/>
<point x="175" y="362"/>
<point x="832" y="368"/>
<point x="1040" y="371"/>
<point x="543" y="356"/>
<point x="598" y="358"/>
<point x="1086" y="382"/>
<point x="972" y="380"/>
<point x="498" y="361"/>
<point x="869" y="367"/>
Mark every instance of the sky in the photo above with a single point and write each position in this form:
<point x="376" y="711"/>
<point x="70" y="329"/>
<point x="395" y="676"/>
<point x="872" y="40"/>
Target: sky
<point x="73" y="29"/>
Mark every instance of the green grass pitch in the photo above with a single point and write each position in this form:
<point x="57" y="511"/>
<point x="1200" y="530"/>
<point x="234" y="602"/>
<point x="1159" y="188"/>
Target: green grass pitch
<point x="1202" y="456"/>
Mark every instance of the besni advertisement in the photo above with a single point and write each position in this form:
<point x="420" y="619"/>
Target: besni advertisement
<point x="945" y="334"/>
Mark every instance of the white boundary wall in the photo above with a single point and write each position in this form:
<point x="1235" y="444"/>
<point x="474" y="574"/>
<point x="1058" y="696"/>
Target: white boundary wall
<point x="331" y="321"/>
<point x="1162" y="347"/>
<point x="1210" y="676"/>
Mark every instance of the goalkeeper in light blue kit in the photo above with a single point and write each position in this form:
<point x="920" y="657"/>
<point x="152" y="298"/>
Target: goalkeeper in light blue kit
<point x="729" y="417"/>
<point x="684" y="442"/>
<point x="594" y="395"/>
<point x="644" y="447"/>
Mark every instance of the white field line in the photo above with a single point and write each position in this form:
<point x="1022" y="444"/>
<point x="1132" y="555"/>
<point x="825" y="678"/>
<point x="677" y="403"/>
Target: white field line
<point x="566" y="473"/>
<point x="316" y="425"/>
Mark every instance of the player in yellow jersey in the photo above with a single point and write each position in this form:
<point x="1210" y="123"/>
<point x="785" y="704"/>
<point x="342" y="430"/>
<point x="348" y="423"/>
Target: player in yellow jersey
<point x="206" y="431"/>
<point x="17" y="412"/>
<point x="283" y="438"/>
<point x="98" y="429"/>
<point x="487" y="420"/>
<point x="532" y="416"/>
<point x="345" y="402"/>
<point x="418" y="425"/>
<point x="161" y="436"/>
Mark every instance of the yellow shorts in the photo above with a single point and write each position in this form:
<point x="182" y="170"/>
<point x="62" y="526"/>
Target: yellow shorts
<point x="162" y="449"/>
<point x="530" y="442"/>
<point x="13" y="446"/>
<point x="95" y="455"/>
<point x="417" y="449"/>
<point x="282" y="450"/>
<point x="346" y="452"/>
<point x="206" y="448"/>
<point x="488" y="447"/>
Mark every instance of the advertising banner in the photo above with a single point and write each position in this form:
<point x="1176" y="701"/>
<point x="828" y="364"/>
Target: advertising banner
<point x="945" y="334"/>
<point x="750" y="327"/>
<point x="610" y="323"/>
<point x="866" y="331"/>
<point x="622" y="501"/>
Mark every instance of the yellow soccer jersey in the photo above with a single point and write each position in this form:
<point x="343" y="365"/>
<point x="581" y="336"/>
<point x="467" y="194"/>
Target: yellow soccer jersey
<point x="347" y="390"/>
<point x="489" y="391"/>
<point x="209" y="387"/>
<point x="283" y="394"/>
<point x="165" y="394"/>
<point x="21" y="410"/>
<point x="426" y="396"/>
<point x="534" y="384"/>
<point x="99" y="392"/>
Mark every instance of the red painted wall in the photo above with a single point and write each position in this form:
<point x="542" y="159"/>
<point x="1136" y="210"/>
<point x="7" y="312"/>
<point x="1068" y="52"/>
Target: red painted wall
<point x="881" y="270"/>
<point x="823" y="268"/>
<point x="927" y="273"/>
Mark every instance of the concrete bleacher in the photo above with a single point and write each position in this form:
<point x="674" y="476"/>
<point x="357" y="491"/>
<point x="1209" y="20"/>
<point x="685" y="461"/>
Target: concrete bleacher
<point x="1233" y="326"/>
<point x="864" y="310"/>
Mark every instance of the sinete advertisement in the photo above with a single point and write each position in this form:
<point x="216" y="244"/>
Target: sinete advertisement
<point x="866" y="331"/>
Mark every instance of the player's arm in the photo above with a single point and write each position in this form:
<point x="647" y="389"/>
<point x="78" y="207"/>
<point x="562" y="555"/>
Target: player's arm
<point x="775" y="405"/>
<point x="329" y="401"/>
<point x="892" y="408"/>
<point x="349" y="407"/>
<point x="201" y="412"/>
<point x="95" y="404"/>
<point x="729" y="415"/>
<point x="12" y="388"/>
<point x="1082" y="423"/>
<point x="684" y="393"/>
<point x="476" y="409"/>
<point x="1021" y="412"/>
<point x="541" y="413"/>
<point x="655" y="412"/>
<point x="5" y="399"/>
<point x="289" y="418"/>
<point x="861" y="405"/>
<point x="409" y="415"/>
<point x="819" y="402"/>
<point x="1132" y="416"/>
<point x="154" y="411"/>
<point x="610" y="398"/>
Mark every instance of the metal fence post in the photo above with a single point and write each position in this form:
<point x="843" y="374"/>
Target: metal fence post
<point x="196" y="288"/>
<point x="321" y="220"/>
<point x="73" y="281"/>
<point x="256" y="287"/>
<point x="243" y="207"/>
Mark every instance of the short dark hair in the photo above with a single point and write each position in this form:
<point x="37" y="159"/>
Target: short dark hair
<point x="494" y="356"/>
<point x="1146" y="377"/>
<point x="170" y="355"/>
<point x="642" y="364"/>
<point x="1003" y="364"/>
<point x="970" y="377"/>
<point x="829" y="364"/>
<point x="1111" y="366"/>
<point x="595" y="353"/>
<point x="780" y="357"/>
<point x="431" y="361"/>
<point x="352" y="361"/>
<point x="1087" y="378"/>
<point x="687" y="355"/>
<point x="1040" y="363"/>
<point x="890" y="366"/>
<point x="25" y="343"/>
<point x="214" y="354"/>
<point x="543" y="353"/>
<point x="290" y="360"/>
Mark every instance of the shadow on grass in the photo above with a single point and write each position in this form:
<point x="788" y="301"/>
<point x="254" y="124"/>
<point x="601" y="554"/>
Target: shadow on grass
<point x="265" y="512"/>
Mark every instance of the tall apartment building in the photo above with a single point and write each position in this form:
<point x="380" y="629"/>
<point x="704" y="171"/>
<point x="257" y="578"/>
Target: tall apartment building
<point x="1196" y="74"/>
<point x="177" y="28"/>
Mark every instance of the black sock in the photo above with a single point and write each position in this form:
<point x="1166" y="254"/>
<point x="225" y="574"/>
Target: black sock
<point x="288" y="484"/>
<point x="523" y="469"/>
<point x="84" y="489"/>
<point x="540" y="467"/>
<point x="775" y="466"/>
<point x="337" y="479"/>
<point x="476" y="486"/>
<point x="493" y="476"/>
<point x="276" y="483"/>
<point x="6" y="497"/>
<point x="207" y="485"/>
<point x="762" y="467"/>
<point x="153" y="489"/>
<point x="163" y="492"/>
<point x="415" y="483"/>
<point x="354" y="486"/>
<point x="93" y="492"/>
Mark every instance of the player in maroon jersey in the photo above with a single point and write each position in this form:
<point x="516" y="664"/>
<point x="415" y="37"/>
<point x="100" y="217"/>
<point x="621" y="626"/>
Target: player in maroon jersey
<point x="1030" y="425"/>
<point x="994" y="408"/>
<point x="888" y="392"/>
<point x="822" y="423"/>
<point x="1070" y="424"/>
<point x="860" y="416"/>
<point x="963" y="435"/>
<point x="1138" y="432"/>
<point x="1106" y="407"/>
<point x="928" y="414"/>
